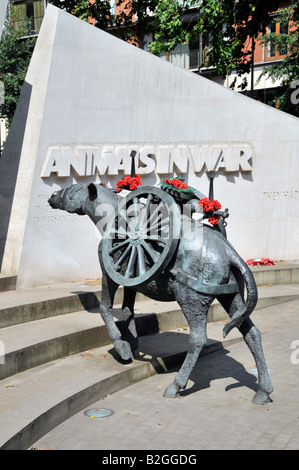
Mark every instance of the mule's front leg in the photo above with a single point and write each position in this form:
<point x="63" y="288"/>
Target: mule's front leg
<point x="195" y="308"/>
<point x="130" y="331"/>
<point x="121" y="346"/>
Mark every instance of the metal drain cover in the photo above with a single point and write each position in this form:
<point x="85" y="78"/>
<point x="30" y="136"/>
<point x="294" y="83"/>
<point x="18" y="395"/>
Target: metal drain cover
<point x="98" y="413"/>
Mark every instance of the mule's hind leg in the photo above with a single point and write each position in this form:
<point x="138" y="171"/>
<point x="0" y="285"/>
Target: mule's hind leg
<point x="252" y="337"/>
<point x="195" y="307"/>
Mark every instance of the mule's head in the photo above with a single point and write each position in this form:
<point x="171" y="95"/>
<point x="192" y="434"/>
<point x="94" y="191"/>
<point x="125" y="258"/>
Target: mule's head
<point x="94" y="200"/>
<point x="71" y="199"/>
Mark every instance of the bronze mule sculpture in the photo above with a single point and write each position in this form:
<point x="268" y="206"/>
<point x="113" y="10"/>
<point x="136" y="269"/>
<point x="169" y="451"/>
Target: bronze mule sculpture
<point x="193" y="277"/>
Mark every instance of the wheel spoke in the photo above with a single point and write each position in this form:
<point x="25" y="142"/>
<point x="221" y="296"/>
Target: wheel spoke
<point x="141" y="264"/>
<point x="119" y="246"/>
<point x="159" y="225"/>
<point x="124" y="218"/>
<point x="135" y="202"/>
<point x="155" y="211"/>
<point x="130" y="267"/>
<point x="146" y="210"/>
<point x="153" y="255"/>
<point x="122" y="258"/>
<point x="113" y="232"/>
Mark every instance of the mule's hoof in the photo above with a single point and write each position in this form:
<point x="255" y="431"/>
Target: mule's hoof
<point x="171" y="391"/>
<point x="124" y="350"/>
<point x="261" y="398"/>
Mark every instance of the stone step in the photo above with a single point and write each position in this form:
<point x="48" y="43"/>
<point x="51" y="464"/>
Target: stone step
<point x="33" y="343"/>
<point x="7" y="282"/>
<point x="35" y="401"/>
<point x="30" y="344"/>
<point x="25" y="305"/>
<point x="27" y="345"/>
<point x="49" y="390"/>
<point x="280" y="273"/>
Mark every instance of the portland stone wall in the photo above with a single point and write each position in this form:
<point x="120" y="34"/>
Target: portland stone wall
<point x="3" y="8"/>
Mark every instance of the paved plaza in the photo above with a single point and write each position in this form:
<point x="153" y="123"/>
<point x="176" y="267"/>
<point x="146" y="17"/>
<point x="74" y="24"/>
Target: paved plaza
<point x="215" y="410"/>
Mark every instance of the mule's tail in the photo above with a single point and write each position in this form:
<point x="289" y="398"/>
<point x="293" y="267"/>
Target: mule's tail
<point x="251" y="300"/>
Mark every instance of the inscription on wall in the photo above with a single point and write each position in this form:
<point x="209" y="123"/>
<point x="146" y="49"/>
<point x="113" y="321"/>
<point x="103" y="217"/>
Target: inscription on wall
<point x="86" y="161"/>
<point x="276" y="195"/>
<point x="44" y="214"/>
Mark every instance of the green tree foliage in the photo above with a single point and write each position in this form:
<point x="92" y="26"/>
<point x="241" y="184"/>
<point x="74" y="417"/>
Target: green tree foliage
<point x="15" y="55"/>
<point x="168" y="27"/>
<point x="232" y="25"/>
<point x="286" y="70"/>
<point x="227" y="23"/>
<point x="120" y="21"/>
<point x="229" y="26"/>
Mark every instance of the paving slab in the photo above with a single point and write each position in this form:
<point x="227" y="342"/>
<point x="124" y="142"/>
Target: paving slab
<point x="213" y="413"/>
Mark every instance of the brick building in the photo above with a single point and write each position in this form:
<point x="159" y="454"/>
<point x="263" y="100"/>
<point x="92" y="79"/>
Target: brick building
<point x="190" y="56"/>
<point x="33" y="10"/>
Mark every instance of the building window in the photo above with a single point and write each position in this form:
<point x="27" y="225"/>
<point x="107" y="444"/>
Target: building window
<point x="194" y="52"/>
<point x="29" y="13"/>
<point x="198" y="50"/>
<point x="112" y="7"/>
<point x="274" y="50"/>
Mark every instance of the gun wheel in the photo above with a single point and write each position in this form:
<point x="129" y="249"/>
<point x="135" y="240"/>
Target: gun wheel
<point x="141" y="239"/>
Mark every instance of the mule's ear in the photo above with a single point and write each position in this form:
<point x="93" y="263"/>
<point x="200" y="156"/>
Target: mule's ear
<point x="92" y="191"/>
